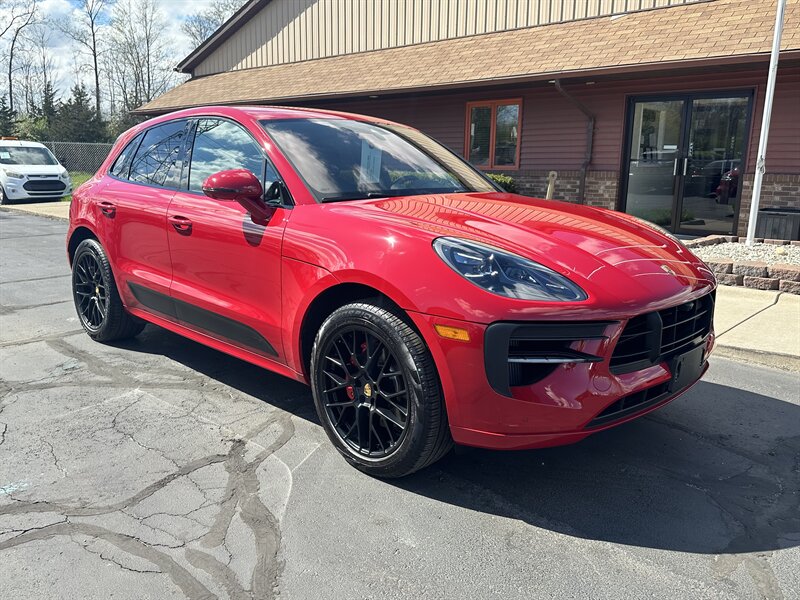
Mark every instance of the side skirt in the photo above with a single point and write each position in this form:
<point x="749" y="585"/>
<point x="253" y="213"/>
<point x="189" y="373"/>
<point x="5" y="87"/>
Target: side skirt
<point x="225" y="346"/>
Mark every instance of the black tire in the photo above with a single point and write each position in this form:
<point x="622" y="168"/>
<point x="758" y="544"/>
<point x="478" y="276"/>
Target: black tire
<point x="393" y="383"/>
<point x="97" y="301"/>
<point x="3" y="198"/>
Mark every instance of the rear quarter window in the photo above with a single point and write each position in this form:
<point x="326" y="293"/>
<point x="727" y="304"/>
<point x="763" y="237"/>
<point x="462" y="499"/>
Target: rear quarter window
<point x="122" y="166"/>
<point x="158" y="159"/>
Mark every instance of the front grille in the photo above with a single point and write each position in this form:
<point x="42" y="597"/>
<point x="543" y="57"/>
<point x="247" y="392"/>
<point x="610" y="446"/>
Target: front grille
<point x="44" y="185"/>
<point x="518" y="354"/>
<point x="659" y="336"/>
<point x="630" y="404"/>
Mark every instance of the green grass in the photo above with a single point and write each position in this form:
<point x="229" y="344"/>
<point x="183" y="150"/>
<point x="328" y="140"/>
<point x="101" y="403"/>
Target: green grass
<point x="78" y="177"/>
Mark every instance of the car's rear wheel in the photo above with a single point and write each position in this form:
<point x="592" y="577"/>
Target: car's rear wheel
<point x="377" y="391"/>
<point x="97" y="301"/>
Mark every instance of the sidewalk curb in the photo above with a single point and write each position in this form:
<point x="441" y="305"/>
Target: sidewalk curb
<point x="18" y="209"/>
<point x="776" y="360"/>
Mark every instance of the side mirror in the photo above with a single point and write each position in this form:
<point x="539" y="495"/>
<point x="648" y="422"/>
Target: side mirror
<point x="241" y="186"/>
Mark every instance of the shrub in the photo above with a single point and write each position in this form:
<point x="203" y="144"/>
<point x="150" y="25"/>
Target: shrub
<point x="504" y="181"/>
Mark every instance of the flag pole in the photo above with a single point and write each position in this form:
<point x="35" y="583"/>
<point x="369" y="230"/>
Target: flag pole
<point x="762" y="142"/>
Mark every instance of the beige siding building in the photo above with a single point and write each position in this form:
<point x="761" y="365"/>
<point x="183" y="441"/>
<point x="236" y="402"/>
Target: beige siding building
<point x="296" y="30"/>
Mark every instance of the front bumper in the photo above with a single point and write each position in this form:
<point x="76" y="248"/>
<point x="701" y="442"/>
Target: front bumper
<point x="15" y="190"/>
<point x="558" y="403"/>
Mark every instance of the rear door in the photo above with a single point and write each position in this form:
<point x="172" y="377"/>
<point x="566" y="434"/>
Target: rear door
<point x="132" y="210"/>
<point x="226" y="268"/>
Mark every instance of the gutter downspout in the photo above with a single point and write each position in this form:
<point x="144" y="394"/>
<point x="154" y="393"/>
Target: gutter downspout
<point x="590" y="119"/>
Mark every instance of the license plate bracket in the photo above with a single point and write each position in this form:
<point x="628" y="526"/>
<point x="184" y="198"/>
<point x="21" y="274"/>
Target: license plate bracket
<point x="686" y="368"/>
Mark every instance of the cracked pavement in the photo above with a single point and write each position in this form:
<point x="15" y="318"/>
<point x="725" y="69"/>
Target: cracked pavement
<point x="158" y="468"/>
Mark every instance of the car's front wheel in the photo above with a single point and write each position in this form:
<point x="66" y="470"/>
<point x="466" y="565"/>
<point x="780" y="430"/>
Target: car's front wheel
<point x="3" y="198"/>
<point x="377" y="391"/>
<point x="97" y="300"/>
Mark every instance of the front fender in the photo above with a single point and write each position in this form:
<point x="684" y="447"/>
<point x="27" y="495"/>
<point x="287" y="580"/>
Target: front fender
<point x="303" y="283"/>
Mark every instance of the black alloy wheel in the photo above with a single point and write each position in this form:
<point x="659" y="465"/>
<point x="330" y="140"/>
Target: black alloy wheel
<point x="366" y="396"/>
<point x="377" y="391"/>
<point x="91" y="294"/>
<point x="97" y="301"/>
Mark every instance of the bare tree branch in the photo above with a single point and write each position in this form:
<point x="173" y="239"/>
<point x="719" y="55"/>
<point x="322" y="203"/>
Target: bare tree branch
<point x="24" y="14"/>
<point x="85" y="33"/>
<point x="200" y="26"/>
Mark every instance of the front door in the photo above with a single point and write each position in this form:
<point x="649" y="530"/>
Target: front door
<point x="226" y="269"/>
<point x="685" y="159"/>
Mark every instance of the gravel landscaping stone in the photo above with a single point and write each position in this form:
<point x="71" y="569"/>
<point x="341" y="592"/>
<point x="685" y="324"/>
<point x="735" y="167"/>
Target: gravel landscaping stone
<point x="738" y="252"/>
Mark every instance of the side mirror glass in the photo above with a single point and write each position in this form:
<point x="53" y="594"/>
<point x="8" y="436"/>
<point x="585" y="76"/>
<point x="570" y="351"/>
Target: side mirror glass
<point x="241" y="186"/>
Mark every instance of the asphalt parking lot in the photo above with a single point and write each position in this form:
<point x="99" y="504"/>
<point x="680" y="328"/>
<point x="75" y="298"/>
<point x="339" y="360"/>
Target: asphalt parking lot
<point x="159" y="468"/>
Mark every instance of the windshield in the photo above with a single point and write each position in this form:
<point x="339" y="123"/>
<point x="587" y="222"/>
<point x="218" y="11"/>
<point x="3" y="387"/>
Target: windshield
<point x="16" y="155"/>
<point x="340" y="159"/>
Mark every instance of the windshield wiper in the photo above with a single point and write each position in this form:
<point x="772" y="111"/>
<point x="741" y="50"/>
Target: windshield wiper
<point x="359" y="196"/>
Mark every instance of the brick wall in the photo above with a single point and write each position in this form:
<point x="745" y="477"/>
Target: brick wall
<point x="777" y="191"/>
<point x="601" y="186"/>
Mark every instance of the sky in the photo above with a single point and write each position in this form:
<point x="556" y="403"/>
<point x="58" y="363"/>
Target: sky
<point x="63" y="54"/>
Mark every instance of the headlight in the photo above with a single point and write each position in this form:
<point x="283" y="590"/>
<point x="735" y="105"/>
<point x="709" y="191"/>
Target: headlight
<point x="504" y="273"/>
<point x="64" y="175"/>
<point x="14" y="175"/>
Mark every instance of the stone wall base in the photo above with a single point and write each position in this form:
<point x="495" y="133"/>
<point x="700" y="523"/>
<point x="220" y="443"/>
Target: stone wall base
<point x="601" y="186"/>
<point x="778" y="190"/>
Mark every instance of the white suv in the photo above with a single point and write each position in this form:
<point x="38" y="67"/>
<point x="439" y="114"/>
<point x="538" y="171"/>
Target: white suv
<point x="29" y="171"/>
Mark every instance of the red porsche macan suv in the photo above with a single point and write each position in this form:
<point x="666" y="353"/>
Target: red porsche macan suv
<point x="422" y="304"/>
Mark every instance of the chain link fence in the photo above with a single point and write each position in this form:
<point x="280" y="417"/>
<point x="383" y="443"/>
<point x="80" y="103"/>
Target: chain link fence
<point x="79" y="156"/>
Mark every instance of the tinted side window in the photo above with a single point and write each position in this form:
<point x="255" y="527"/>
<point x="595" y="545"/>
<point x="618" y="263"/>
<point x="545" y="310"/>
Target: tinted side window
<point x="122" y="166"/>
<point x="158" y="159"/>
<point x="220" y="145"/>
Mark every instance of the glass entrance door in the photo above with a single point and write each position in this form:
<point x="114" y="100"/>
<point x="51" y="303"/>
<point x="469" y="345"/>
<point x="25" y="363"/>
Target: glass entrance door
<point x="713" y="164"/>
<point x="685" y="161"/>
<point x="653" y="161"/>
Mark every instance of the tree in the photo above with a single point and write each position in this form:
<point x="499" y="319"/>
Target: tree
<point x="200" y="26"/>
<point x="85" y="32"/>
<point x="31" y="127"/>
<point x="23" y="14"/>
<point x="141" y="68"/>
<point x="7" y="115"/>
<point x="77" y="120"/>
<point x="36" y="71"/>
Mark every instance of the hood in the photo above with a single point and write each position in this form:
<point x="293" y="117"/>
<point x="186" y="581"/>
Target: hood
<point x="34" y="169"/>
<point x="598" y="249"/>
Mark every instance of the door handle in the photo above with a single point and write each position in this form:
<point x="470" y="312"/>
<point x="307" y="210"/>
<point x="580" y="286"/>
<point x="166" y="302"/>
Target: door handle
<point x="108" y="209"/>
<point x="181" y="224"/>
<point x="685" y="166"/>
<point x="675" y="167"/>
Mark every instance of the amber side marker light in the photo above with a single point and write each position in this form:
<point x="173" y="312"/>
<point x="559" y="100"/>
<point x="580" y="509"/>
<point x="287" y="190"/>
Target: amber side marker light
<point x="452" y="333"/>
